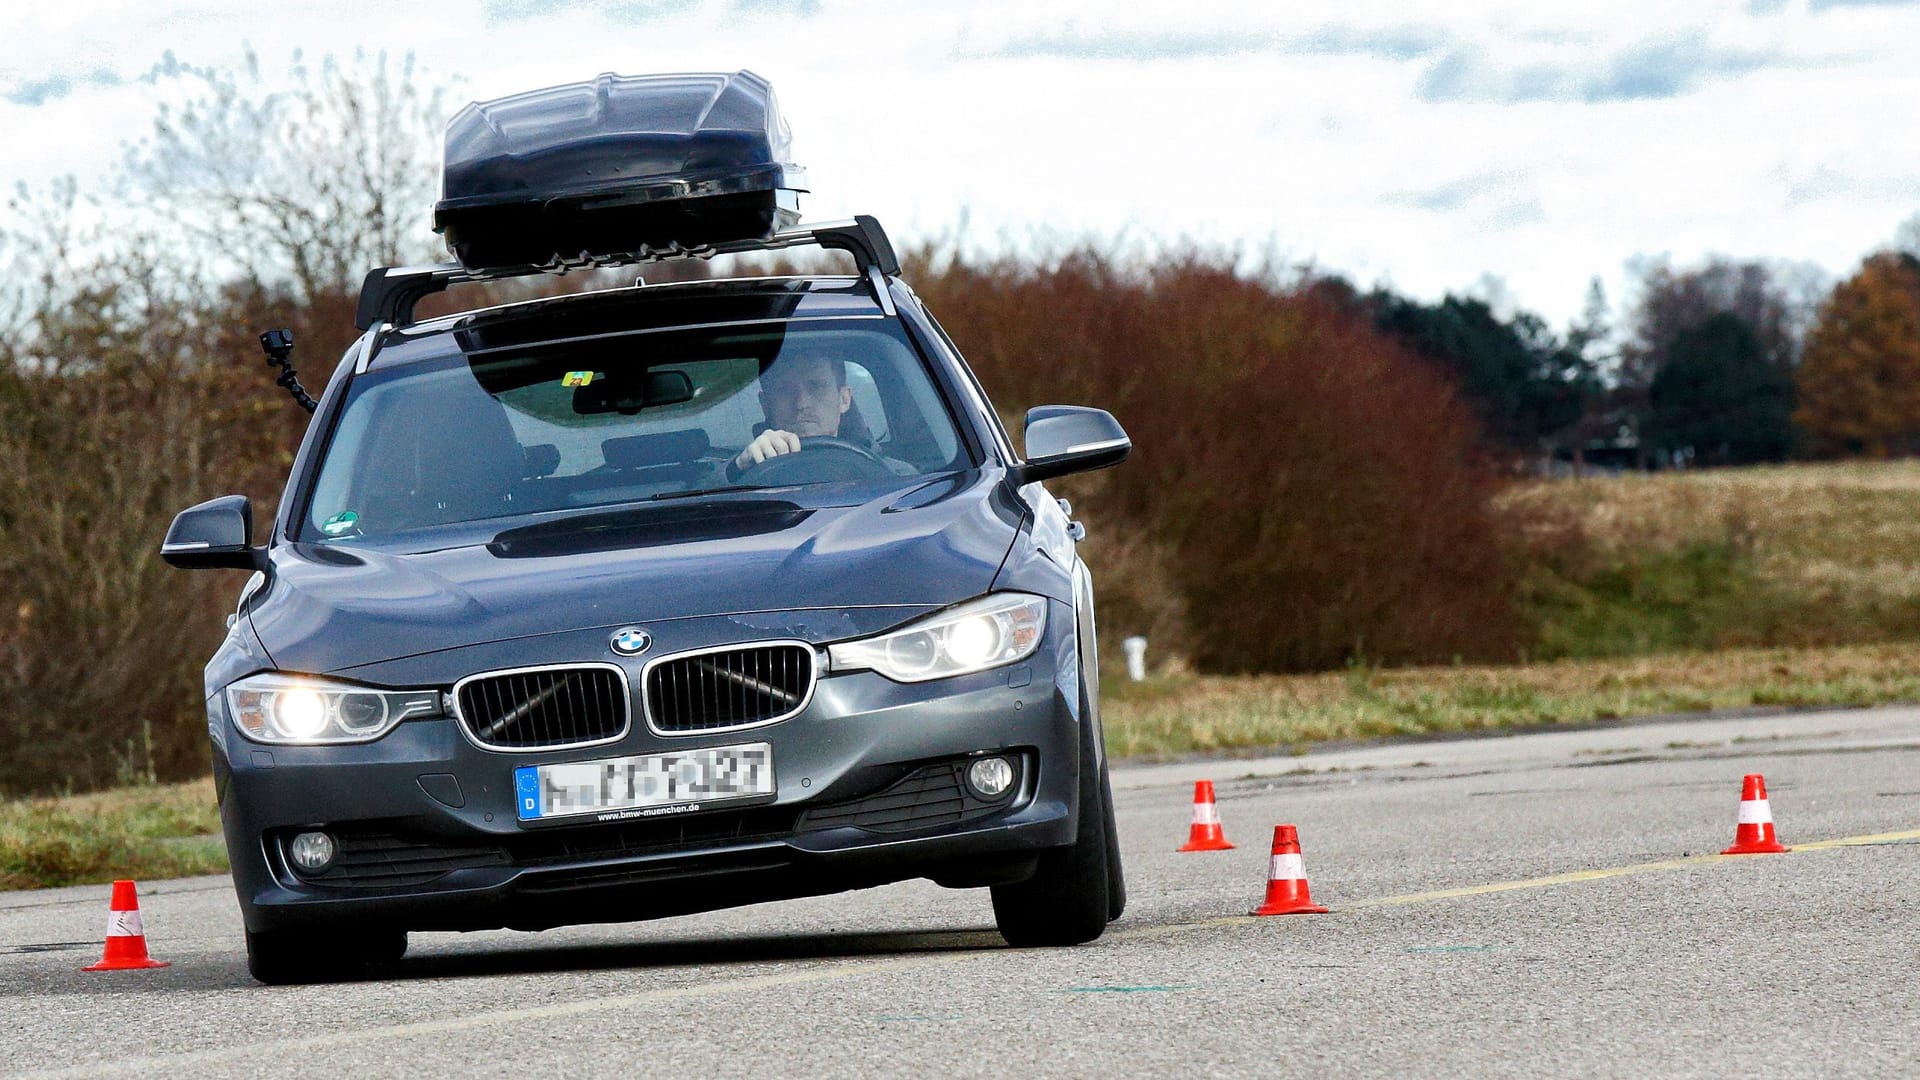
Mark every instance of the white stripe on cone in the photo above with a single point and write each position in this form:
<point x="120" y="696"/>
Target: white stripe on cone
<point x="1754" y="812"/>
<point x="1287" y="868"/>
<point x="124" y="924"/>
<point x="1206" y="813"/>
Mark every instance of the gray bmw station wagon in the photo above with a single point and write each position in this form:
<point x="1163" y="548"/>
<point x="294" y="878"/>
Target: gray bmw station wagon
<point x="654" y="599"/>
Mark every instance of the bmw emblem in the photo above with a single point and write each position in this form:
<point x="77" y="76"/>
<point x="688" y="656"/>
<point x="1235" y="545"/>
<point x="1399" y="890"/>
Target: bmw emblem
<point x="631" y="641"/>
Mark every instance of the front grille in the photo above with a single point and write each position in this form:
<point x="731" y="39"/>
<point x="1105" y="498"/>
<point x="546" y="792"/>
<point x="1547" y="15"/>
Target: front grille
<point x="931" y="795"/>
<point x="729" y="688"/>
<point x="544" y="707"/>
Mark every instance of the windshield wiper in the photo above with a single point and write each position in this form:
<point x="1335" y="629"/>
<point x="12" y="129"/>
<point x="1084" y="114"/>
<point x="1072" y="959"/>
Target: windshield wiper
<point x="665" y="495"/>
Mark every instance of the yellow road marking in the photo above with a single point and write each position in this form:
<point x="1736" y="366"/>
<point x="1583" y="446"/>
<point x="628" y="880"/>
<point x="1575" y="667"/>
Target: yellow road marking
<point x="1619" y="871"/>
<point x="449" y="1025"/>
<point x="1859" y="841"/>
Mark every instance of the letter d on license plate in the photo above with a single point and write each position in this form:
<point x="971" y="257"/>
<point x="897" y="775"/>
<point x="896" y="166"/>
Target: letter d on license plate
<point x="633" y="786"/>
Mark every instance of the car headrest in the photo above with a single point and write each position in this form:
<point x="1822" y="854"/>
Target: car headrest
<point x="660" y="448"/>
<point x="542" y="459"/>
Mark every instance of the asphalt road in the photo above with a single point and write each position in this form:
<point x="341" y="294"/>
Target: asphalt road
<point x="1538" y="904"/>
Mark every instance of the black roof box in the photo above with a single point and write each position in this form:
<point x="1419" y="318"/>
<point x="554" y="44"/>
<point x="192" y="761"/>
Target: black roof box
<point x="615" y="169"/>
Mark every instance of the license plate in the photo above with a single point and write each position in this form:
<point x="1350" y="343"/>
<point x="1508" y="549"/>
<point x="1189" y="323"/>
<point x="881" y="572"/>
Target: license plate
<point x="644" y="785"/>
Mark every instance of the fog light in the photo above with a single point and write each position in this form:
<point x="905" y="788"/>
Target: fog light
<point x="311" y="851"/>
<point x="990" y="777"/>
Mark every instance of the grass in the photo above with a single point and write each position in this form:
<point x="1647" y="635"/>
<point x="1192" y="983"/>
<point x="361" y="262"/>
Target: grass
<point x="1808" y="555"/>
<point x="150" y="831"/>
<point x="1188" y="714"/>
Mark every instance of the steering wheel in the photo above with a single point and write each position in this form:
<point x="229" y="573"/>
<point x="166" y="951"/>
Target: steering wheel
<point x="822" y="459"/>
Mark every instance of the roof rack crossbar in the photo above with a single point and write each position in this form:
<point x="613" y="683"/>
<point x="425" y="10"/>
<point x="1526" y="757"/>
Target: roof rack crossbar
<point x="389" y="293"/>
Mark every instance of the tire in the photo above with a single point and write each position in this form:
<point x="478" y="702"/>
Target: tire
<point x="1066" y="902"/>
<point x="1116" y="881"/>
<point x="291" y="957"/>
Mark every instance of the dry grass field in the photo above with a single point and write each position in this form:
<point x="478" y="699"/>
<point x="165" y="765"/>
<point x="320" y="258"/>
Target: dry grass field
<point x="1793" y="585"/>
<point x="1187" y="714"/>
<point x="1847" y="530"/>
<point x="158" y="830"/>
<point x="1782" y="555"/>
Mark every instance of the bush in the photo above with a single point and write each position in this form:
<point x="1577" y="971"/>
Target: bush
<point x="1315" y="492"/>
<point x="127" y="402"/>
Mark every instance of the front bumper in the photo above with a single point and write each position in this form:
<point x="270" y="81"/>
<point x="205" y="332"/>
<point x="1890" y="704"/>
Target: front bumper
<point x="444" y="809"/>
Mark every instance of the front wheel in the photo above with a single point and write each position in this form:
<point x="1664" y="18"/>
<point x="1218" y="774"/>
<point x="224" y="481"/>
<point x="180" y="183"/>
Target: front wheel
<point x="287" y="957"/>
<point x="1066" y="901"/>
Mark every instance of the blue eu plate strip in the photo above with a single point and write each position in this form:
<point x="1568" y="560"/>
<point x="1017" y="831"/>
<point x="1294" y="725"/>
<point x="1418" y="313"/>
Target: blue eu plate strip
<point x="526" y="791"/>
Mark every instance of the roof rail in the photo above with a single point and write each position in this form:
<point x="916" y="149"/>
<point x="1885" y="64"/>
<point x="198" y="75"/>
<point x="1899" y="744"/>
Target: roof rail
<point x="389" y="293"/>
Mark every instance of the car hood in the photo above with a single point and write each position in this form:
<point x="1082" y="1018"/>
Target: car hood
<point x="334" y="606"/>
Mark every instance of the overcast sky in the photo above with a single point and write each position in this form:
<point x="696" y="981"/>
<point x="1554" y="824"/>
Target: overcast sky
<point x="1421" y="144"/>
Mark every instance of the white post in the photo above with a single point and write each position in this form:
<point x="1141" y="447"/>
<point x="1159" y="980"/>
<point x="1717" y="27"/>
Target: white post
<point x="1136" y="650"/>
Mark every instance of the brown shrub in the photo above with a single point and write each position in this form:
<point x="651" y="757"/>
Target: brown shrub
<point x="1317" y="491"/>
<point x="129" y="403"/>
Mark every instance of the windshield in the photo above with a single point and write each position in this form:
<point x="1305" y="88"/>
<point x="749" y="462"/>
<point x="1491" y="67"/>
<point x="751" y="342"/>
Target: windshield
<point x="508" y="432"/>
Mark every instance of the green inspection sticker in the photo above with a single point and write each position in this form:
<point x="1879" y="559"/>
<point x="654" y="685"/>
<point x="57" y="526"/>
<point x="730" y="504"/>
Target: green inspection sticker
<point x="343" y="522"/>
<point x="577" y="378"/>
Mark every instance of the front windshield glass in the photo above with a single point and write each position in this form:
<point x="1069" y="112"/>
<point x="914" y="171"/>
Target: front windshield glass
<point x="492" y="433"/>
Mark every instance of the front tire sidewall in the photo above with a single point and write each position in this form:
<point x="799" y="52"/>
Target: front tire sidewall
<point x="1067" y="901"/>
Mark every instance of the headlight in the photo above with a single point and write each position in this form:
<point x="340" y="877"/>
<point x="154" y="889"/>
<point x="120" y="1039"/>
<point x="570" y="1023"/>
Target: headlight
<point x="298" y="710"/>
<point x="969" y="637"/>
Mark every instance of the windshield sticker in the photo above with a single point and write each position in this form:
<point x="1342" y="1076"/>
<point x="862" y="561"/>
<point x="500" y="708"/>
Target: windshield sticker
<point x="577" y="378"/>
<point x="340" y="524"/>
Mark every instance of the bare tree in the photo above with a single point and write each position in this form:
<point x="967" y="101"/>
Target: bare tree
<point x="302" y="178"/>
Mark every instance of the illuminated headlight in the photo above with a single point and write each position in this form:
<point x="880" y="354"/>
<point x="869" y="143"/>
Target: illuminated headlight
<point x="969" y="637"/>
<point x="297" y="710"/>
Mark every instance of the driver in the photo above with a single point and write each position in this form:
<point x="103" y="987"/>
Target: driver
<point x="805" y="397"/>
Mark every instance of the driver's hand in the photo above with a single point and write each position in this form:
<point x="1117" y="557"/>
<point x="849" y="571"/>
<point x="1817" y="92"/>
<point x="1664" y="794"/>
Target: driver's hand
<point x="766" y="446"/>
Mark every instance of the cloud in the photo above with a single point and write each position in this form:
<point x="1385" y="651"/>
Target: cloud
<point x="1131" y="45"/>
<point x="795" y="9"/>
<point x="34" y="93"/>
<point x="1818" y="6"/>
<point x="620" y="11"/>
<point x="1409" y="42"/>
<point x="1826" y="182"/>
<point x="1494" y="200"/>
<point x="1398" y="43"/>
<point x="1456" y="194"/>
<point x="1647" y="70"/>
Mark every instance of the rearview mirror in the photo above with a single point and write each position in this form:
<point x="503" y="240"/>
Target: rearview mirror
<point x="1064" y="439"/>
<point x="217" y="533"/>
<point x="629" y="394"/>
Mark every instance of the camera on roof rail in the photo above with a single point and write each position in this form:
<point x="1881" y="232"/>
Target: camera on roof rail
<point x="616" y="169"/>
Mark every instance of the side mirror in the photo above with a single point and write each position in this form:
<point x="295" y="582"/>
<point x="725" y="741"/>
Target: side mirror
<point x="1064" y="439"/>
<point x="217" y="533"/>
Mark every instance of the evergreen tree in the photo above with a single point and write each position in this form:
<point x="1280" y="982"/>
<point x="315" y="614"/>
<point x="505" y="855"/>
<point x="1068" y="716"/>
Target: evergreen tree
<point x="1528" y="387"/>
<point x="1719" y="399"/>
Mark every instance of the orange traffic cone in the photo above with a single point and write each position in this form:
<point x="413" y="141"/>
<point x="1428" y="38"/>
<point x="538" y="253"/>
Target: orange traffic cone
<point x="1287" y="892"/>
<point x="126" y="939"/>
<point x="1753" y="831"/>
<point x="1205" y="833"/>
